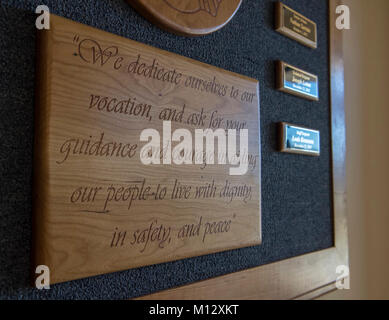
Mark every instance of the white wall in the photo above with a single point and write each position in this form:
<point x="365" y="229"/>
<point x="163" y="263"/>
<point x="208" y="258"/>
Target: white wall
<point x="366" y="52"/>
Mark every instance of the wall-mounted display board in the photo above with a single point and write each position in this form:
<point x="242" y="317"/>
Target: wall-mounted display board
<point x="188" y="17"/>
<point x="303" y="199"/>
<point x="119" y="179"/>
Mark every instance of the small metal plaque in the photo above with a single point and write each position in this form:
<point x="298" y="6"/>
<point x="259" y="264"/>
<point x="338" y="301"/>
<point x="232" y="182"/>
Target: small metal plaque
<point x="297" y="82"/>
<point x="295" y="26"/>
<point x="297" y="139"/>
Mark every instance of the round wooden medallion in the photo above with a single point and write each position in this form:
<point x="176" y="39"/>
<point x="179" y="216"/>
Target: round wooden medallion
<point x="188" y="17"/>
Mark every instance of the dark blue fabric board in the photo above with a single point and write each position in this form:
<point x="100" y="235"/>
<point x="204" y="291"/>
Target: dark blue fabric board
<point x="296" y="190"/>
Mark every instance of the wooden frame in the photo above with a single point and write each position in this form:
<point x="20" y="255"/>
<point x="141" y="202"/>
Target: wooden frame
<point x="307" y="276"/>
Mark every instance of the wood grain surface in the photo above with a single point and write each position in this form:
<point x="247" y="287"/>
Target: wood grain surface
<point x="188" y="17"/>
<point x="98" y="208"/>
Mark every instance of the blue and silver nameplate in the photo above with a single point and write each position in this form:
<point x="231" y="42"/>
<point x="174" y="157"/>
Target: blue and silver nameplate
<point x="295" y="139"/>
<point x="297" y="82"/>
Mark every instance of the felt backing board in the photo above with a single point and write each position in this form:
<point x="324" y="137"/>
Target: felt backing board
<point x="296" y="190"/>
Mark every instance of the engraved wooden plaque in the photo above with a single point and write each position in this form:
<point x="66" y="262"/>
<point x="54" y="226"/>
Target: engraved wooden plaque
<point x="188" y="17"/>
<point x="98" y="207"/>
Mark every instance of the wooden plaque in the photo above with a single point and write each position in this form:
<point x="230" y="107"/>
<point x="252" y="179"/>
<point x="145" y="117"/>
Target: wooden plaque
<point x="294" y="25"/>
<point x="97" y="207"/>
<point x="188" y="17"/>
